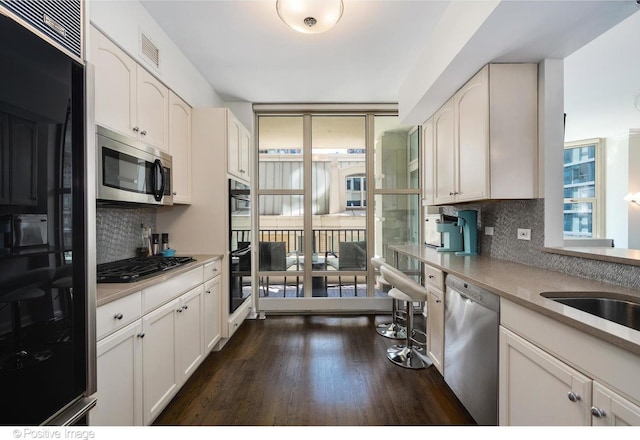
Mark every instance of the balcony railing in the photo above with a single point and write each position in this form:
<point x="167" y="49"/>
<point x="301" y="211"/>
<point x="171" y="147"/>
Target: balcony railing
<point x="324" y="240"/>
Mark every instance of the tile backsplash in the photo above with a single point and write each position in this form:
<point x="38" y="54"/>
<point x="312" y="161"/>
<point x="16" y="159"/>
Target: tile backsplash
<point x="118" y="231"/>
<point x="507" y="216"/>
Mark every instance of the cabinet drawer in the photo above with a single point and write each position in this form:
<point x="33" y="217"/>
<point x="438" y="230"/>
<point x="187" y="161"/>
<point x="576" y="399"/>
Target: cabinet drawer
<point x="115" y="315"/>
<point x="212" y="269"/>
<point x="161" y="293"/>
<point x="433" y="277"/>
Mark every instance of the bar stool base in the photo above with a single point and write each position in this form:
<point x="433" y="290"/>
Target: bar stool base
<point x="392" y="331"/>
<point x="408" y="357"/>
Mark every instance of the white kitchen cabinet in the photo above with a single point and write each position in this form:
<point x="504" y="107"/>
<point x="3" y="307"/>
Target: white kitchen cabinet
<point x="443" y="166"/>
<point x="180" y="148"/>
<point x="239" y="145"/>
<point x="435" y="327"/>
<point x="485" y="137"/>
<point x="434" y="282"/>
<point x="428" y="168"/>
<point x="537" y="389"/>
<point x="128" y="99"/>
<point x="159" y="359"/>
<point x="211" y="317"/>
<point x="189" y="333"/>
<point x="153" y="110"/>
<point x="554" y="374"/>
<point x="119" y="378"/>
<point x="611" y="409"/>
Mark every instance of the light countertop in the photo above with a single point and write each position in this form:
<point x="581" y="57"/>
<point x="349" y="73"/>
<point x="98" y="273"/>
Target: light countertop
<point x="523" y="284"/>
<point x="107" y="292"/>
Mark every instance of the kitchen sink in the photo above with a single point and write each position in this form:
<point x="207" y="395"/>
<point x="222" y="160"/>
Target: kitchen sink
<point x="620" y="311"/>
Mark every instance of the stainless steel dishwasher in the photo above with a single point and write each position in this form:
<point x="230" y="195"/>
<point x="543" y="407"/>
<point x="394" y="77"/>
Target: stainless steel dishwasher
<point x="471" y="348"/>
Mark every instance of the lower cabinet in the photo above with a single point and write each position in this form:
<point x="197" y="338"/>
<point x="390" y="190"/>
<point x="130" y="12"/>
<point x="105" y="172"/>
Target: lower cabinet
<point x="159" y="359"/>
<point x="189" y="334"/>
<point x="434" y="282"/>
<point x="212" y="317"/>
<point x="119" y="378"/>
<point x="537" y="388"/>
<point x="141" y="366"/>
<point x="435" y="327"/>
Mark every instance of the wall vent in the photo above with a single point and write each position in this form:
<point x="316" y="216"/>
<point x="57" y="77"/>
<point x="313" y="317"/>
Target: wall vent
<point x="150" y="50"/>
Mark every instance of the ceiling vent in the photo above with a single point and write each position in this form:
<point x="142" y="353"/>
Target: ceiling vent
<point x="150" y="51"/>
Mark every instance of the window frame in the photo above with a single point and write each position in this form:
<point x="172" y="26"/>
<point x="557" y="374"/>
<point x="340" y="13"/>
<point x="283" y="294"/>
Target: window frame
<point x="598" y="201"/>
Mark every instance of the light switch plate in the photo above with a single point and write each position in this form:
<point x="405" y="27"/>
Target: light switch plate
<point x="488" y="230"/>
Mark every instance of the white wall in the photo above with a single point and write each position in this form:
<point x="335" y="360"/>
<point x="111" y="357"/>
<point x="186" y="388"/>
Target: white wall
<point x="616" y="187"/>
<point x="123" y="21"/>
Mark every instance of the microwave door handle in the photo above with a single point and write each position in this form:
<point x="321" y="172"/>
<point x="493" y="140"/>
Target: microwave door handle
<point x="158" y="190"/>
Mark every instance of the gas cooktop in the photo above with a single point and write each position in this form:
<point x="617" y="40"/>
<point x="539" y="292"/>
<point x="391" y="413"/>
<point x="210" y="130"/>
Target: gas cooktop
<point x="137" y="268"/>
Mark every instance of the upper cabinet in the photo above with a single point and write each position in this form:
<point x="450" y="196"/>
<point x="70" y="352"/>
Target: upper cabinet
<point x="180" y="148"/>
<point x="483" y="143"/>
<point x="239" y="148"/>
<point x="128" y="99"/>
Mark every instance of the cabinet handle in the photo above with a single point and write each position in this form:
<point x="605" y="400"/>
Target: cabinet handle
<point x="141" y="335"/>
<point x="597" y="412"/>
<point x="136" y="129"/>
<point x="185" y="307"/>
<point x="143" y="132"/>
<point x="450" y="193"/>
<point x="215" y="269"/>
<point x="208" y="291"/>
<point x="118" y="316"/>
<point x="179" y="311"/>
<point x="438" y="301"/>
<point x="431" y="277"/>
<point x="573" y="396"/>
<point x="175" y="193"/>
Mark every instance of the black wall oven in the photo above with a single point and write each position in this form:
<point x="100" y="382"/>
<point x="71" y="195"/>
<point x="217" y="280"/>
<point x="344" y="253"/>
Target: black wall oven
<point x="43" y="287"/>
<point x="239" y="244"/>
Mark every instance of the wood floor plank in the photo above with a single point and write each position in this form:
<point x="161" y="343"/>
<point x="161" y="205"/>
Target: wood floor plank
<point x="311" y="371"/>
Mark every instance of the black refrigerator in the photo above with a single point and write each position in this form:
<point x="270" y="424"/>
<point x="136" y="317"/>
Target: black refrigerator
<point x="44" y="337"/>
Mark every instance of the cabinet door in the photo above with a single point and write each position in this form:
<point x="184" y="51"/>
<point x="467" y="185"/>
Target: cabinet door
<point x="119" y="378"/>
<point x="244" y="153"/>
<point x="233" y="145"/>
<point x="435" y="331"/>
<point x="428" y="165"/>
<point x="159" y="358"/>
<point x="444" y="148"/>
<point x="180" y="148"/>
<point x="472" y="118"/>
<point x="611" y="409"/>
<point x="189" y="340"/>
<point x="538" y="389"/>
<point x="115" y="85"/>
<point x="212" y="314"/>
<point x="153" y="110"/>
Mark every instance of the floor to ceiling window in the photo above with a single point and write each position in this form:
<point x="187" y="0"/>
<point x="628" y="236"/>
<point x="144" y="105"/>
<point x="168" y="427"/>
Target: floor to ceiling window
<point x="316" y="221"/>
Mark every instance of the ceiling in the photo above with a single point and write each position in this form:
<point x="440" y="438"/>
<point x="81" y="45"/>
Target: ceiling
<point x="378" y="50"/>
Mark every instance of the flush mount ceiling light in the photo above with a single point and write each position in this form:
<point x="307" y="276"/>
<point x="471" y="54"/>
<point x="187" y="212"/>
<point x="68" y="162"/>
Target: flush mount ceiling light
<point x="310" y="16"/>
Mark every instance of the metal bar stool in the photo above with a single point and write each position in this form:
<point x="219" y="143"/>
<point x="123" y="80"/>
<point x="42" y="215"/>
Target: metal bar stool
<point x="411" y="354"/>
<point x="394" y="329"/>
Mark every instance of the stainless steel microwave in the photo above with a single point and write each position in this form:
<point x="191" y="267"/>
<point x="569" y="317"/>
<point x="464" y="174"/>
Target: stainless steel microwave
<point x="131" y="171"/>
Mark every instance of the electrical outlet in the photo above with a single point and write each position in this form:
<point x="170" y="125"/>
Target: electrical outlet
<point x="524" y="234"/>
<point x="488" y="230"/>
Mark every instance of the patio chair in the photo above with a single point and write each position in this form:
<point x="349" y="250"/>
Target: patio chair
<point x="273" y="257"/>
<point x="352" y="255"/>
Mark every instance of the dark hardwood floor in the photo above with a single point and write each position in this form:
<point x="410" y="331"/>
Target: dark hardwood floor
<point x="311" y="371"/>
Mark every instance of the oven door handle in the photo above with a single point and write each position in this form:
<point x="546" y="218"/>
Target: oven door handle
<point x="159" y="175"/>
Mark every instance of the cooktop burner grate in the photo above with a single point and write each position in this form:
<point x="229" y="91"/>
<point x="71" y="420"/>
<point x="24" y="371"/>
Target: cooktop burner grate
<point x="137" y="268"/>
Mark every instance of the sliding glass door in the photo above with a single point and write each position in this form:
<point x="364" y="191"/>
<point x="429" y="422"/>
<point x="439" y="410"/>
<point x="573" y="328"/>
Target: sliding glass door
<point x="316" y="208"/>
